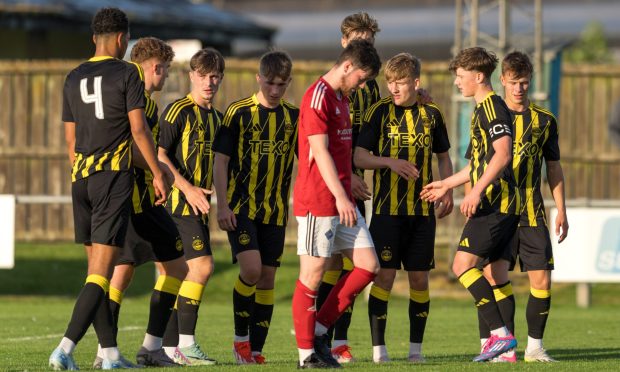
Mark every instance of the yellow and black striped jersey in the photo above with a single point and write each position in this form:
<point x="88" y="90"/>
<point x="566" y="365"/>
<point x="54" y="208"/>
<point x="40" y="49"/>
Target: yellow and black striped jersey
<point x="143" y="196"/>
<point x="491" y="121"/>
<point x="359" y="102"/>
<point x="535" y="138"/>
<point x="261" y="143"/>
<point x="97" y="96"/>
<point x="186" y="132"/>
<point x="411" y="133"/>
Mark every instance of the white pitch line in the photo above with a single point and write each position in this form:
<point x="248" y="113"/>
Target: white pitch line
<point x="44" y="337"/>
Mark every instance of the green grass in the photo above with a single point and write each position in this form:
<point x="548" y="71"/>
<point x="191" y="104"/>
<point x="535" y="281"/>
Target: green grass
<point x="36" y="299"/>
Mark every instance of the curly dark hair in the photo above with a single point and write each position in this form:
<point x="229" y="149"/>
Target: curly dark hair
<point x="109" y="20"/>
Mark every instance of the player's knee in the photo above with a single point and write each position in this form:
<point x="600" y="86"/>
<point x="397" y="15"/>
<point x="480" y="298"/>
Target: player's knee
<point x="250" y="274"/>
<point x="385" y="279"/>
<point x="176" y="268"/>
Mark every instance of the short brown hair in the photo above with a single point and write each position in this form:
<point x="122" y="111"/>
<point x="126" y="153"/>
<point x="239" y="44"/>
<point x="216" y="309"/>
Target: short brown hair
<point x="359" y="22"/>
<point x="363" y="55"/>
<point x="207" y="60"/>
<point x="402" y="66"/>
<point x="475" y="59"/>
<point x="518" y="63"/>
<point x="151" y="47"/>
<point x="275" y="64"/>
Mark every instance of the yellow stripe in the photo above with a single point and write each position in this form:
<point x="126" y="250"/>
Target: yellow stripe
<point x="393" y="192"/>
<point x="331" y="276"/>
<point x="255" y="158"/>
<point x="271" y="159"/>
<point x="419" y="296"/>
<point x="116" y="295"/>
<point x="140" y="71"/>
<point x="264" y="297"/>
<point x="411" y="154"/>
<point x="191" y="290"/>
<point x="89" y="162"/>
<point x="502" y="292"/>
<point x="100" y="58"/>
<point x="101" y="281"/>
<point x="426" y="171"/>
<point x="540" y="293"/>
<point x="469" y="277"/>
<point x="176" y="108"/>
<point x="244" y="289"/>
<point x="347" y="264"/>
<point x="380" y="293"/>
<point x="168" y="284"/>
<point x="531" y="214"/>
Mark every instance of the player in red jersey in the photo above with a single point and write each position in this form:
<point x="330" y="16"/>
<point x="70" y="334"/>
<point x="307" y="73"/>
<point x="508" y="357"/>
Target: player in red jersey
<point x="328" y="219"/>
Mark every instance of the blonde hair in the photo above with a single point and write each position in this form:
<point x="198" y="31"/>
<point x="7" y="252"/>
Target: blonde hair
<point x="359" y="22"/>
<point x="402" y="66"/>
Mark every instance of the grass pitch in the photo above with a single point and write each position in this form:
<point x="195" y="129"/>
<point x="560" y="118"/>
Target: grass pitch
<point x="37" y="297"/>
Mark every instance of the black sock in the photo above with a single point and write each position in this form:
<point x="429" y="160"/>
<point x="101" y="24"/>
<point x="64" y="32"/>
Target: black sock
<point x="188" y="303"/>
<point x="537" y="312"/>
<point x="419" y="306"/>
<point x="243" y="303"/>
<point x="104" y="322"/>
<point x="86" y="306"/>
<point x="171" y="334"/>
<point x="261" y="318"/>
<point x="484" y="299"/>
<point x="377" y="314"/>
<point x="506" y="304"/>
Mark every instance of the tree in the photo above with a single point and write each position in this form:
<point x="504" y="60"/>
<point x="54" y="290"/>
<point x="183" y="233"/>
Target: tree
<point x="591" y="47"/>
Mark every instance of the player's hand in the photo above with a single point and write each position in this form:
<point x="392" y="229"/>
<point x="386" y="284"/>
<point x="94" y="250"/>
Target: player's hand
<point x="359" y="189"/>
<point x="161" y="187"/>
<point x="444" y="205"/>
<point x="347" y="212"/>
<point x="404" y="169"/>
<point x="433" y="191"/>
<point x="561" y="227"/>
<point x="226" y="218"/>
<point x="197" y="199"/>
<point x="423" y="97"/>
<point x="470" y="203"/>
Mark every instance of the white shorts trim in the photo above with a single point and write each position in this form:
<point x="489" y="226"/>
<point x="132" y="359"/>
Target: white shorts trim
<point x="324" y="236"/>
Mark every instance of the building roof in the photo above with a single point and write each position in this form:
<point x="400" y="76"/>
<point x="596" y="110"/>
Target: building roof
<point x="166" y="19"/>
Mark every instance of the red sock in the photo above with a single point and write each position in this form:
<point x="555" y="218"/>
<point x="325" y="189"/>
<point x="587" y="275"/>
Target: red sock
<point x="342" y="295"/>
<point x="304" y="315"/>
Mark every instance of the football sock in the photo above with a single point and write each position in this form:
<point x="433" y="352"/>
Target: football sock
<point x="188" y="302"/>
<point x="151" y="342"/>
<point x="343" y="294"/>
<point x="415" y="348"/>
<point x="337" y="343"/>
<point x="419" y="306"/>
<point x="86" y="306"/>
<point x="537" y="312"/>
<point x="110" y="353"/>
<point x="67" y="345"/>
<point x="171" y="335"/>
<point x="162" y="302"/>
<point x="115" y="301"/>
<point x="261" y="318"/>
<point x="319" y="329"/>
<point x="103" y="323"/>
<point x="377" y="313"/>
<point x="533" y="343"/>
<point x="304" y="317"/>
<point x="303" y="354"/>
<point x="243" y="301"/>
<point x="341" y="327"/>
<point x="484" y="299"/>
<point x="379" y="352"/>
<point x="506" y="304"/>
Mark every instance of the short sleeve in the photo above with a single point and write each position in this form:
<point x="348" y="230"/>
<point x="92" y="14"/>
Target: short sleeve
<point x="441" y="143"/>
<point x="67" y="113"/>
<point x="370" y="131"/>
<point x="551" y="149"/>
<point x="314" y="120"/>
<point x="227" y="135"/>
<point x="497" y="122"/>
<point x="170" y="132"/>
<point x="134" y="88"/>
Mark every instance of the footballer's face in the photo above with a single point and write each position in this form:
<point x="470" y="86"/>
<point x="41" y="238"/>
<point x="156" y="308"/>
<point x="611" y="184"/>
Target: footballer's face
<point x="515" y="90"/>
<point x="357" y="35"/>
<point x="467" y="81"/>
<point x="272" y="89"/>
<point x="205" y="84"/>
<point x="404" y="91"/>
<point x="353" y="78"/>
<point x="159" y="73"/>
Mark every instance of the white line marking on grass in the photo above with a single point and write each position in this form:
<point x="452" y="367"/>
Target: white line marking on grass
<point x="43" y="337"/>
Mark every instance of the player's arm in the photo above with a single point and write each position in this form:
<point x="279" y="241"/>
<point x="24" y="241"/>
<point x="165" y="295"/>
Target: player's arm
<point x="225" y="216"/>
<point x="70" y="140"/>
<point x="555" y="176"/>
<point x="436" y="190"/>
<point x="144" y="141"/>
<point x="445" y="204"/>
<point x="364" y="159"/>
<point x="500" y="160"/>
<point x="327" y="168"/>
